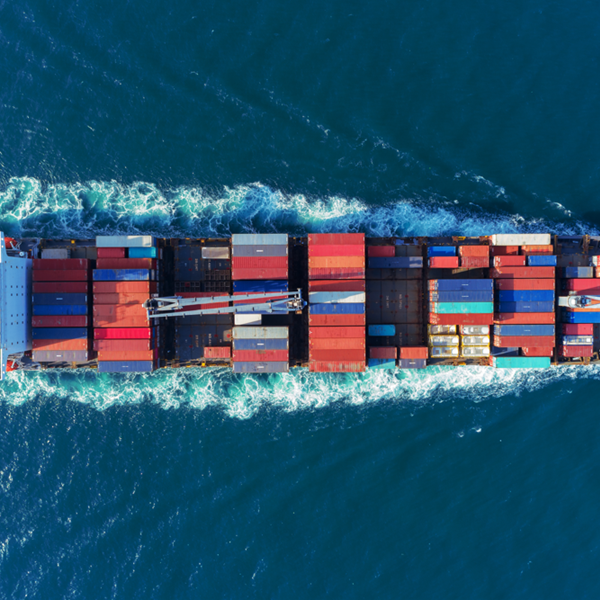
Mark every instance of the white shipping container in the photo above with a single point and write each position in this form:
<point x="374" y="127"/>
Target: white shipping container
<point x="60" y="253"/>
<point x="443" y="340"/>
<point x="336" y="297"/>
<point x="443" y="352"/>
<point x="475" y="351"/>
<point x="251" y="333"/>
<point x="441" y="329"/>
<point x="577" y="340"/>
<point x="476" y="340"/>
<point x="247" y="319"/>
<point x="221" y="252"/>
<point x="594" y="261"/>
<point x="124" y="241"/>
<point x="475" y="329"/>
<point x="521" y="239"/>
<point x="260" y="239"/>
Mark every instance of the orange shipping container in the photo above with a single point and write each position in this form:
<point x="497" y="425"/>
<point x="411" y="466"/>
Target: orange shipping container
<point x="109" y="310"/>
<point x="121" y="321"/>
<point x="336" y="343"/>
<point x="504" y="250"/>
<point x="125" y="355"/>
<point x="525" y="318"/>
<point x="356" y="250"/>
<point x="336" y="320"/>
<point x="328" y="262"/>
<point x="522" y="272"/>
<point x="60" y="345"/>
<point x="351" y="355"/>
<point x="123" y="345"/>
<point x="125" y="287"/>
<point x="337" y="367"/>
<point x="126" y="263"/>
<point x="337" y="273"/>
<point x="332" y="239"/>
<point x="529" y="250"/>
<point x="474" y="250"/>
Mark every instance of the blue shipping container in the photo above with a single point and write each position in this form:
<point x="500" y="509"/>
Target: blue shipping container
<point x="398" y="262"/>
<point x="517" y="307"/>
<point x="581" y="317"/>
<point x="459" y="285"/>
<point x="59" y="298"/>
<point x="441" y="251"/>
<point x="541" y="260"/>
<point x="261" y="344"/>
<point x="381" y="363"/>
<point x="467" y="296"/>
<point x="123" y="275"/>
<point x="129" y="366"/>
<point x="413" y="363"/>
<point x="59" y="333"/>
<point x="382" y="330"/>
<point x="578" y="272"/>
<point x="528" y="330"/>
<point x="43" y="310"/>
<point x="342" y="308"/>
<point x="268" y="285"/>
<point x="143" y="252"/>
<point x="496" y="351"/>
<point x="526" y="295"/>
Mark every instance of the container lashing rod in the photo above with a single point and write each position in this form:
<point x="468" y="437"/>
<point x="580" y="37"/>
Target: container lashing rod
<point x="174" y="306"/>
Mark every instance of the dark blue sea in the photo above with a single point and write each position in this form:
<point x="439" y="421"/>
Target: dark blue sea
<point x="190" y="119"/>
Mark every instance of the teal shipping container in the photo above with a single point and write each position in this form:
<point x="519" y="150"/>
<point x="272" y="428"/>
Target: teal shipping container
<point x="143" y="252"/>
<point x="382" y="330"/>
<point x="381" y="363"/>
<point x="522" y="362"/>
<point x="465" y="308"/>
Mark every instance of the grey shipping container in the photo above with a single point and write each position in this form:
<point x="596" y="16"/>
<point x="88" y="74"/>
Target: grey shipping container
<point x="259" y="250"/>
<point x="260" y="367"/>
<point x="60" y="356"/>
<point x="59" y="298"/>
<point x="259" y="239"/>
<point x="219" y="252"/>
<point x="577" y="272"/>
<point x="413" y="363"/>
<point x="124" y="241"/>
<point x="130" y="366"/>
<point x="60" y="253"/>
<point x="245" y="333"/>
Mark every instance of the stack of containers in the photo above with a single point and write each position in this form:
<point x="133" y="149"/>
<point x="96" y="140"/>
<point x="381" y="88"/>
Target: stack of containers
<point x="125" y="277"/>
<point x="261" y="349"/>
<point x="524" y="274"/>
<point x="337" y="318"/>
<point x="442" y="257"/>
<point x="60" y="310"/>
<point x="474" y="257"/>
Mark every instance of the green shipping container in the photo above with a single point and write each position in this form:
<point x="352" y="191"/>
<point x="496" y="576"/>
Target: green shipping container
<point x="522" y="362"/>
<point x="382" y="363"/>
<point x="465" y="308"/>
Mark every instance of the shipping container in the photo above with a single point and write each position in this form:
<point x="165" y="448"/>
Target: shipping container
<point x="337" y="297"/>
<point x="509" y="261"/>
<point x="126" y="355"/>
<point x="474" y="262"/>
<point x="336" y="332"/>
<point x="109" y="310"/>
<point x="525" y="284"/>
<point x="397" y="262"/>
<point x="120" y="321"/>
<point x="381" y="363"/>
<point x="506" y="341"/>
<point x="61" y="344"/>
<point x="526" y="296"/>
<point x="125" y="333"/>
<point x="443" y="352"/>
<point x="443" y="340"/>
<point x="353" y="308"/>
<point x="261" y="344"/>
<point x="521" y="239"/>
<point x="356" y="251"/>
<point x="505" y="351"/>
<point x="581" y="317"/>
<point x="475" y="329"/>
<point x="540" y="260"/>
<point x="475" y="340"/>
<point x="415" y="352"/>
<point x="336" y="239"/>
<point x="127" y="263"/>
<point x="538" y="351"/>
<point x="124" y="241"/>
<point x="521" y="362"/>
<point x="444" y="262"/>
<point x="256" y="251"/>
<point x="537" y="250"/>
<point x="522" y="272"/>
<point x="126" y="367"/>
<point x="524" y="330"/>
<point x="217" y="352"/>
<point x="344" y="343"/>
<point x="455" y="319"/>
<point x="59" y="333"/>
<point x="461" y="285"/>
<point x="145" y="253"/>
<point x="467" y="308"/>
<point x="384" y="352"/>
<point x="578" y="272"/>
<point x="475" y="351"/>
<point x="119" y="345"/>
<point x="259" y="273"/>
<point x="125" y="287"/>
<point x="247" y="319"/>
<point x="595" y="261"/>
<point x="346" y="355"/>
<point x="82" y="275"/>
<point x="111" y="252"/>
<point x="519" y="307"/>
<point x="246" y="333"/>
<point x="261" y="367"/>
<point x="578" y="328"/>
<point x="259" y="239"/>
<point x="63" y="287"/>
<point x="441" y="251"/>
<point x="56" y="253"/>
<point x="337" y="367"/>
<point x="40" y="310"/>
<point x="337" y="262"/>
<point x="336" y="320"/>
<point x="262" y="285"/>
<point x="337" y="273"/>
<point x="354" y="285"/>
<point x="577" y="340"/>
<point x="79" y="356"/>
<point x="59" y="321"/>
<point x="382" y="330"/>
<point x="576" y="351"/>
<point x="474" y="251"/>
<point x="413" y="363"/>
<point x="124" y="298"/>
<point x="504" y="250"/>
<point x="260" y="355"/>
<point x="379" y="251"/>
<point x="441" y="329"/>
<point x="59" y="298"/>
<point x="123" y="275"/>
<point x="57" y="264"/>
<point x="466" y="296"/>
<point x="259" y="262"/>
<point x="525" y="318"/>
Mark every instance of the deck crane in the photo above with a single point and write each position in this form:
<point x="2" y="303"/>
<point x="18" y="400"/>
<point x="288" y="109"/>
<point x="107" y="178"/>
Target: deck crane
<point x="174" y="306"/>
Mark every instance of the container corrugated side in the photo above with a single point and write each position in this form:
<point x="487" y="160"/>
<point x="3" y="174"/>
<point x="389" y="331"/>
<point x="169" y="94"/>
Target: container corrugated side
<point x="521" y="239"/>
<point x="521" y="362"/>
<point x="506" y="341"/>
<point x="336" y="343"/>
<point x="529" y="250"/>
<point x="338" y="355"/>
<point x="60" y="355"/>
<point x="335" y="239"/>
<point x="126" y="355"/>
<point x="590" y="286"/>
<point x="525" y="284"/>
<point x="520" y="307"/>
<point x="82" y="275"/>
<point x="59" y="321"/>
<point x="261" y="285"/>
<point x="468" y="308"/>
<point x="329" y="262"/>
<point x="382" y="330"/>
<point x="120" y="321"/>
<point x="62" y="287"/>
<point x="124" y="345"/>
<point x="337" y="366"/>
<point x="474" y="262"/>
<point x="578" y="328"/>
<point x="337" y="273"/>
<point x="316" y="251"/>
<point x="258" y="250"/>
<point x="581" y="317"/>
<point x="244" y="333"/>
<point x="474" y="251"/>
<point x="538" y="351"/>
<point x="125" y="287"/>
<point x="261" y="367"/>
<point x="126" y="263"/>
<point x="331" y="285"/>
<point x="509" y="261"/>
<point x="576" y="351"/>
<point x="460" y="285"/>
<point x="60" y="333"/>
<point x="381" y="251"/>
<point x="525" y="318"/>
<point x="59" y="298"/>
<point x="529" y="330"/>
<point x="40" y="310"/>
<point x="526" y="296"/>
<point x="217" y="352"/>
<point x="124" y="241"/>
<point x="109" y="310"/>
<point x="261" y="344"/>
<point x="412" y="363"/>
<point x="548" y="260"/>
<point x="336" y="332"/>
<point x="125" y="333"/>
<point x="336" y="320"/>
<point x="463" y="296"/>
<point x="111" y="252"/>
<point x="576" y="272"/>
<point x="456" y="319"/>
<point x="58" y="264"/>
<point x="381" y="363"/>
<point x="337" y="297"/>
<point x="398" y="262"/>
<point x="259" y="262"/>
<point x="143" y="253"/>
<point x="61" y="345"/>
<point x="441" y="251"/>
<point x="259" y="273"/>
<point x="123" y="275"/>
<point x="503" y="250"/>
<point x="387" y="352"/>
<point x="126" y="366"/>
<point x="523" y="272"/>
<point x="123" y="298"/>
<point x="259" y="239"/>
<point x="354" y="308"/>
<point x="260" y="355"/>
<point x="444" y="262"/>
<point x="415" y="352"/>
<point x="61" y="253"/>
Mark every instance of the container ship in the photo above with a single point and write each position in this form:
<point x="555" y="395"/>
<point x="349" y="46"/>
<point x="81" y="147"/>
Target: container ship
<point x="268" y="303"/>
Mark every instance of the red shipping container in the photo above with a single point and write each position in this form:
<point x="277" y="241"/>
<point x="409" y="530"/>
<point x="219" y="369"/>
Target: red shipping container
<point x="218" y="352"/>
<point x="59" y="345"/>
<point x="443" y="262"/>
<point x="460" y="319"/>
<point x="335" y="343"/>
<point x="472" y="251"/>
<point x="60" y="275"/>
<point x="124" y="333"/>
<point x="259" y="262"/>
<point x="336" y="239"/>
<point x="125" y="287"/>
<point x="261" y="355"/>
<point x="126" y="355"/>
<point x="523" y="273"/>
<point x="525" y="318"/>
<point x="475" y="262"/>
<point x="124" y="345"/>
<point x="64" y="287"/>
<point x="59" y="321"/>
<point x="336" y="320"/>
<point x="61" y="264"/>
<point x="352" y="355"/>
<point x="121" y="298"/>
<point x="510" y="261"/>
<point x="524" y="284"/>
<point x="336" y="273"/>
<point x="521" y="341"/>
<point x="239" y="274"/>
<point x="331" y="285"/>
<point x="378" y="251"/>
<point x="120" y="321"/>
<point x="529" y="250"/>
<point x="383" y="352"/>
<point x="329" y="262"/>
<point x="575" y="351"/>
<point x="578" y="328"/>
<point x="414" y="352"/>
<point x="111" y="252"/>
<point x="109" y="310"/>
<point x="316" y="251"/>
<point x="329" y="332"/>
<point x="549" y="351"/>
<point x="504" y="250"/>
<point x="126" y="263"/>
<point x="337" y="367"/>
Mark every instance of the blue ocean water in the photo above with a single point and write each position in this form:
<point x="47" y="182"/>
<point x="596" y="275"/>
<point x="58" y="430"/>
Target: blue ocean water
<point x="392" y="118"/>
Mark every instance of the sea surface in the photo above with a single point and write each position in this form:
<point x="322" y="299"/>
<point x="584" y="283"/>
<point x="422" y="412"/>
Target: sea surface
<point x="190" y="119"/>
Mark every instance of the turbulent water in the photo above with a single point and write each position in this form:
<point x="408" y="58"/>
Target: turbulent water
<point x="390" y="118"/>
